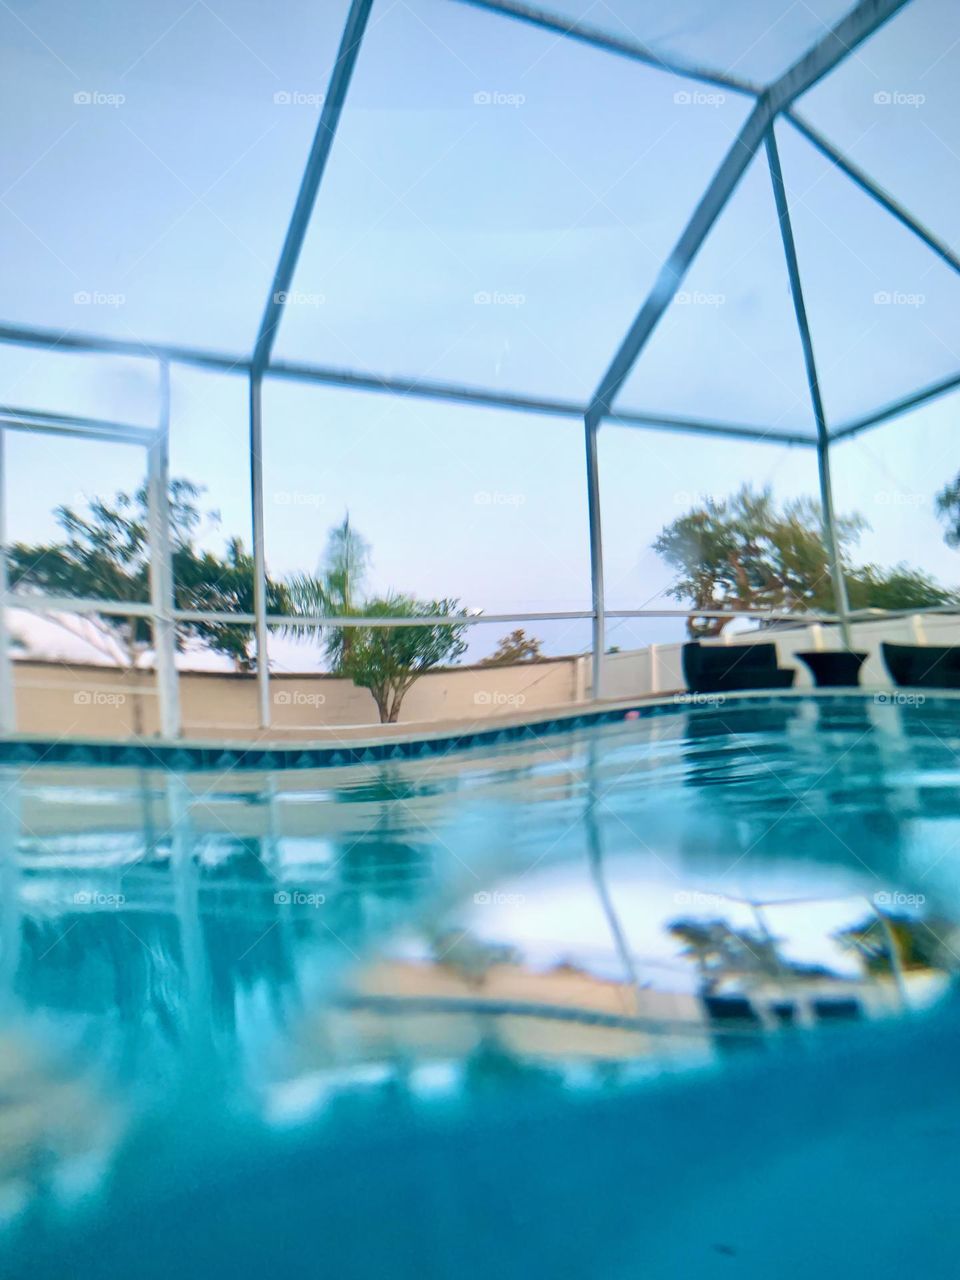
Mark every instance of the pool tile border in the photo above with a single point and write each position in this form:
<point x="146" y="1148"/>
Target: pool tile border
<point x="184" y="757"/>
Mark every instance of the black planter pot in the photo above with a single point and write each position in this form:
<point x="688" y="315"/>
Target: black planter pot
<point x="923" y="666"/>
<point x="834" y="668"/>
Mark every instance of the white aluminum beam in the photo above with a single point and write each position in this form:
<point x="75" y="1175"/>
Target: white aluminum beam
<point x="162" y="601"/>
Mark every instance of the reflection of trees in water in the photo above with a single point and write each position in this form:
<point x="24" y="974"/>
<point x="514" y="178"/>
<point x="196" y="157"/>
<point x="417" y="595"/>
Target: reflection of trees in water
<point x="891" y="943"/>
<point x="214" y="929"/>
<point x="130" y="965"/>
<point x="383" y="865"/>
<point x="240" y="921"/>
<point x="721" y="951"/>
<point x="493" y="1068"/>
<point x="105" y="962"/>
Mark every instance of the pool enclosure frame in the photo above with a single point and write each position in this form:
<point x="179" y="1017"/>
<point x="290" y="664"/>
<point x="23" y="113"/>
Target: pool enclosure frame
<point x="770" y="103"/>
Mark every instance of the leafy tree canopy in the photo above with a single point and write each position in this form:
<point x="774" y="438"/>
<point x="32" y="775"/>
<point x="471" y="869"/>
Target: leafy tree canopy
<point x="746" y="552"/>
<point x="948" y="509"/>
<point x="516" y="647"/>
<point x="919" y="943"/>
<point x="388" y="660"/>
<point x="104" y="554"/>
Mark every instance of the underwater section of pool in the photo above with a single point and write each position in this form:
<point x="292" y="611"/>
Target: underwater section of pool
<point x="668" y="996"/>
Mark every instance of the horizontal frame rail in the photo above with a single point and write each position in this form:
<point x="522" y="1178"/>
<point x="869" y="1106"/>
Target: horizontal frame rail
<point x="69" y="424"/>
<point x="387" y="384"/>
<point x="37" y="603"/>
<point x="42" y="604"/>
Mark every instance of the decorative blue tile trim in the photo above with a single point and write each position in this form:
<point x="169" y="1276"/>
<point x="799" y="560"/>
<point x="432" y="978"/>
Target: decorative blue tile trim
<point x="182" y="757"/>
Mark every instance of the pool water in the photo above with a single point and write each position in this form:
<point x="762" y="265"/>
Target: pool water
<point x="663" y="997"/>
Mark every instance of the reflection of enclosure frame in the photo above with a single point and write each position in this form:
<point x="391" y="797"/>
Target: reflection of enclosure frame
<point x="771" y="102"/>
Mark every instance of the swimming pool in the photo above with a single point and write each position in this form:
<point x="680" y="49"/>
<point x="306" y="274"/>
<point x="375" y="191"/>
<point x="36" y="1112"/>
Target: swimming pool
<point x="666" y="994"/>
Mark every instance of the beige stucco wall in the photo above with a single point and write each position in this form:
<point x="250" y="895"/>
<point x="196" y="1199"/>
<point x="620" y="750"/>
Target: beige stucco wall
<point x="61" y="700"/>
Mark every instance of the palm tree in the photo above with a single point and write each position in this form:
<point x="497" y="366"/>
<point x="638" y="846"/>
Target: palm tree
<point x="336" y="587"/>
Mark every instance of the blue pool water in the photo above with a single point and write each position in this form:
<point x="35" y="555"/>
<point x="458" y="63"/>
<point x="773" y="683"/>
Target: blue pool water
<point x="670" y="996"/>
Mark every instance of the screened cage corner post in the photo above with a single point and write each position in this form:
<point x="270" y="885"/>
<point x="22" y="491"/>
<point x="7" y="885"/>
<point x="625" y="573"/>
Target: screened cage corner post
<point x="8" y="716"/>
<point x="162" y="595"/>
<point x="840" y="599"/>
<point x="828" y="516"/>
<point x="333" y="103"/>
<point x="591" y="425"/>
<point x="259" y="548"/>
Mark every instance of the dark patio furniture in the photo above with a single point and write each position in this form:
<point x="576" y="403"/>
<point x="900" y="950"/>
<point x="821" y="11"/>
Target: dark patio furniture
<point x="831" y="1009"/>
<point x="727" y="668"/>
<point x="922" y="666"/>
<point x="831" y="668"/>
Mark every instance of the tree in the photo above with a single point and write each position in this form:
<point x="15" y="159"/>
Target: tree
<point x="948" y="509"/>
<point x="720" y="951"/>
<point x="388" y="660"/>
<point x="516" y="647"/>
<point x="104" y="554"/>
<point x="743" y="552"/>
<point x="205" y="582"/>
<point x="337" y="585"/>
<point x="899" y="587"/>
<point x="385" y="660"/>
<point x="918" y="944"/>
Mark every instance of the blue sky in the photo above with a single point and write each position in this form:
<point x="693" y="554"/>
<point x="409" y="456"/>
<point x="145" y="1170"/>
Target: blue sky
<point x="496" y="207"/>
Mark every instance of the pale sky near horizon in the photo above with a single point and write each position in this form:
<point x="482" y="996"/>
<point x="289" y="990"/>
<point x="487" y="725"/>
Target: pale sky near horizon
<point x="496" y="207"/>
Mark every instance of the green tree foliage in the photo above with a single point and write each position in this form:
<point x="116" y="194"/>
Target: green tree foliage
<point x="385" y="660"/>
<point x="948" y="509"/>
<point x="919" y="944"/>
<point x="516" y="647"/>
<point x="745" y="552"/>
<point x="336" y="588"/>
<point x="388" y="660"/>
<point x="719" y="950"/>
<point x="104" y="554"/>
